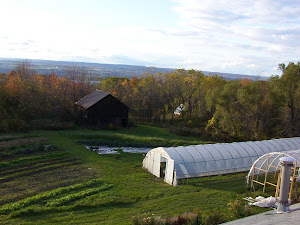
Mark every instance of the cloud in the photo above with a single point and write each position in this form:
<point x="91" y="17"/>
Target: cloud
<point x="226" y="35"/>
<point x="259" y="29"/>
<point x="25" y="43"/>
<point x="174" y="32"/>
<point x="4" y="37"/>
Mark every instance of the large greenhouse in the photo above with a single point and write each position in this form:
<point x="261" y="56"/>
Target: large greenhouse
<point x="174" y="163"/>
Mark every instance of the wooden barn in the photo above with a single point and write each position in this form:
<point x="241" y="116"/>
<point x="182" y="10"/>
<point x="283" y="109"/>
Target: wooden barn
<point x="100" y="109"/>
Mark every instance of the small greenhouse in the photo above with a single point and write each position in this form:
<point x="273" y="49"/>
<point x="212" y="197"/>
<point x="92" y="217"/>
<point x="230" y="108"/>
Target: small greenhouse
<point x="270" y="164"/>
<point x="174" y="163"/>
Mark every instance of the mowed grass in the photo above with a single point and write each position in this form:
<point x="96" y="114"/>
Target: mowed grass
<point x="139" y="136"/>
<point x="72" y="185"/>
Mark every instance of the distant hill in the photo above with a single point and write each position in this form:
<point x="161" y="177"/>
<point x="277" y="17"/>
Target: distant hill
<point x="104" y="70"/>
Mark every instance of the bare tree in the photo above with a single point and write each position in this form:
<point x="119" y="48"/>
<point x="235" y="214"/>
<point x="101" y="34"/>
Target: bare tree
<point x="25" y="69"/>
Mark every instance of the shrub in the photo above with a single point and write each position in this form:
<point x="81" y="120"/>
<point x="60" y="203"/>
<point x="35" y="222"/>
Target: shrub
<point x="146" y="219"/>
<point x="198" y="218"/>
<point x="238" y="210"/>
<point x="213" y="218"/>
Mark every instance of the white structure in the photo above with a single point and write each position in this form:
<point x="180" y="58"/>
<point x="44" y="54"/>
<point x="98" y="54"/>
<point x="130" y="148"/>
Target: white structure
<point x="270" y="162"/>
<point x="211" y="159"/>
<point x="179" y="110"/>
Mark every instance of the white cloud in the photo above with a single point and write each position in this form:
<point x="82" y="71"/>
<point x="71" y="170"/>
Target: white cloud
<point x="242" y="29"/>
<point x="234" y="36"/>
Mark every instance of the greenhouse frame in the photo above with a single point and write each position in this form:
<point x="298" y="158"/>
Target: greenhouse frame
<point x="175" y="163"/>
<point x="270" y="164"/>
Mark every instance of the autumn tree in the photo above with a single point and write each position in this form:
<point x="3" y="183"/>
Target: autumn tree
<point x="285" y="96"/>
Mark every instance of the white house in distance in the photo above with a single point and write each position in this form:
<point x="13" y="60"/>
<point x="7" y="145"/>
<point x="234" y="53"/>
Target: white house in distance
<point x="179" y="110"/>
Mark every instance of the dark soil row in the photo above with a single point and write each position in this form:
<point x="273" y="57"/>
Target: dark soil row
<point x="15" y="157"/>
<point x="23" y="141"/>
<point x="36" y="165"/>
<point x="24" y="187"/>
<point x="8" y="137"/>
<point x="41" y="170"/>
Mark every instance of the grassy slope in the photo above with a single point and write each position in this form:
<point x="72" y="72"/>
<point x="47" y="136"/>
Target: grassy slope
<point x="140" y="136"/>
<point x="134" y="190"/>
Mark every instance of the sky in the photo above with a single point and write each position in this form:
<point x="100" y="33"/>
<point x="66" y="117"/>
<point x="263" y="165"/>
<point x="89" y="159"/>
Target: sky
<point x="233" y="36"/>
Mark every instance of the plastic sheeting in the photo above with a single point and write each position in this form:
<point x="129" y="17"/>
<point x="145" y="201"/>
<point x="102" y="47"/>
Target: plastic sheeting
<point x="212" y="159"/>
<point x="261" y="201"/>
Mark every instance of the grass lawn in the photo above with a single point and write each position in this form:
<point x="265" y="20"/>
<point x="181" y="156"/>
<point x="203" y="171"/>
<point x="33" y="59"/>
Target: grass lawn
<point x="140" y="136"/>
<point x="71" y="185"/>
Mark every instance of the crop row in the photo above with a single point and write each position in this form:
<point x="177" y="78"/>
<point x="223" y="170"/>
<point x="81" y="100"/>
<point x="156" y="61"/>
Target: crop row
<point x="23" y="142"/>
<point x="31" y="159"/>
<point x="72" y="197"/>
<point x="12" y="153"/>
<point x="31" y="166"/>
<point x="12" y="137"/>
<point x="39" y="170"/>
<point x="46" y="195"/>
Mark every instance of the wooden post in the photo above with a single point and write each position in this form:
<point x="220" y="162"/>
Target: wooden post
<point x="292" y="182"/>
<point x="278" y="185"/>
<point x="266" y="174"/>
<point x="252" y="188"/>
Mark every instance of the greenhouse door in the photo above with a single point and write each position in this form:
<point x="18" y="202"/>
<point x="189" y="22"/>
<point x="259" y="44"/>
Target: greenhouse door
<point x="163" y="165"/>
<point x="156" y="164"/>
<point x="169" y="172"/>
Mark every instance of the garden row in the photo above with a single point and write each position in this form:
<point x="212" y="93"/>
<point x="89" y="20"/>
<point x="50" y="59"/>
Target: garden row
<point x="31" y="169"/>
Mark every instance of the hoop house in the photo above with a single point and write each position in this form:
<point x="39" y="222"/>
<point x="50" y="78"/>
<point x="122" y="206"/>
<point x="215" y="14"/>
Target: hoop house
<point x="174" y="163"/>
<point x="269" y="163"/>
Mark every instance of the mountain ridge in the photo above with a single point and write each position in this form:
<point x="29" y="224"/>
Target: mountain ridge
<point x="104" y="69"/>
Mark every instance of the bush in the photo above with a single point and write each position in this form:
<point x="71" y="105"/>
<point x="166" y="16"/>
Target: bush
<point x="213" y="218"/>
<point x="146" y="219"/>
<point x="238" y="210"/>
<point x="198" y="218"/>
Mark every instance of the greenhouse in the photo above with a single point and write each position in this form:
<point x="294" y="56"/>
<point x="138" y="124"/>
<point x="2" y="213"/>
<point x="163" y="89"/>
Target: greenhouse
<point x="269" y="164"/>
<point x="175" y="163"/>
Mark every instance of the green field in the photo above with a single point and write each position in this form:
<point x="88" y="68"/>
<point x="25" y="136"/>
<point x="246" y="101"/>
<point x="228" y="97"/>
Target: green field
<point x="61" y="182"/>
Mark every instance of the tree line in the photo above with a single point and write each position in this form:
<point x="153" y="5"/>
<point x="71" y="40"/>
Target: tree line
<point x="29" y="98"/>
<point x="210" y="105"/>
<point x="205" y="105"/>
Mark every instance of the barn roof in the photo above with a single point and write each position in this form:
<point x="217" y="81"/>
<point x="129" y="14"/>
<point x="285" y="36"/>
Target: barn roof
<point x="92" y="99"/>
